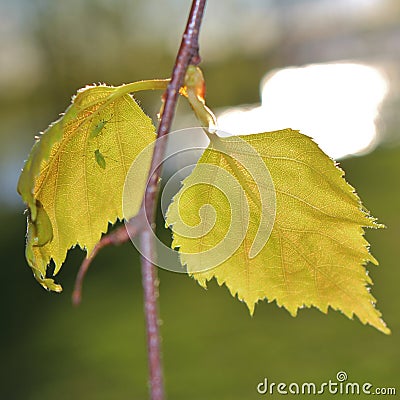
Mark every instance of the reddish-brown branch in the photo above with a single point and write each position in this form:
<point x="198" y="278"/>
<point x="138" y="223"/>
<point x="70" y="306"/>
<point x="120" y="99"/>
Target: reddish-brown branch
<point x="116" y="237"/>
<point x="188" y="53"/>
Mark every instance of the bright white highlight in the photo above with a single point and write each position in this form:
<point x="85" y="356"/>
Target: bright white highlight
<point x="335" y="104"/>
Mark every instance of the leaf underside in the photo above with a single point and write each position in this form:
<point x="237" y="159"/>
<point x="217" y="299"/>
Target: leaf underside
<point x="316" y="252"/>
<point x="73" y="179"/>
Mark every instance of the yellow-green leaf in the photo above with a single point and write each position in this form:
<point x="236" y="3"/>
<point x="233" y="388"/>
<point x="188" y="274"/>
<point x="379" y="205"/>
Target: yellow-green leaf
<point x="311" y="253"/>
<point x="73" y="179"/>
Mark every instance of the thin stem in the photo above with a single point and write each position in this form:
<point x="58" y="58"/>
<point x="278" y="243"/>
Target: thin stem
<point x="116" y="237"/>
<point x="188" y="53"/>
<point x="139" y="86"/>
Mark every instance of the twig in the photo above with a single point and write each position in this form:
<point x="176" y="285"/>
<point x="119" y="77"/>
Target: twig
<point x="116" y="237"/>
<point x="188" y="53"/>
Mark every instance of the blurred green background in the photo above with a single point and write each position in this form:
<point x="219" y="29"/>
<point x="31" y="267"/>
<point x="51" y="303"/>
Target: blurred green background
<point x="212" y="348"/>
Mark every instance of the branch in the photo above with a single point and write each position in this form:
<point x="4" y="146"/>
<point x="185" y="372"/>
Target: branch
<point x="116" y="237"/>
<point x="188" y="53"/>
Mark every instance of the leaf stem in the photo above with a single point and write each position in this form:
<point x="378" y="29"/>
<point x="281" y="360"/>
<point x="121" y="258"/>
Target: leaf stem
<point x="139" y="86"/>
<point x="150" y="84"/>
<point x="188" y="54"/>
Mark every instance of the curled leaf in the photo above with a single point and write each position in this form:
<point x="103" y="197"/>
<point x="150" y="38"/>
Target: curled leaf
<point x="72" y="181"/>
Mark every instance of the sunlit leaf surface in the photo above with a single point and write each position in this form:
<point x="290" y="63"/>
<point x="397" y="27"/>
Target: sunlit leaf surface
<point x="316" y="251"/>
<point x="73" y="179"/>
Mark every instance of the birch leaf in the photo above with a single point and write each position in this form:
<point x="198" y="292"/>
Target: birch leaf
<point x="306" y="250"/>
<point x="73" y="180"/>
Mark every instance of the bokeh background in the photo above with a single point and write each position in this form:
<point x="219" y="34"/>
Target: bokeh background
<point x="212" y="348"/>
